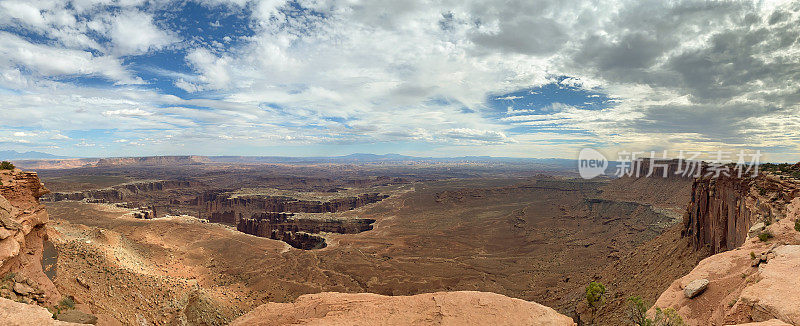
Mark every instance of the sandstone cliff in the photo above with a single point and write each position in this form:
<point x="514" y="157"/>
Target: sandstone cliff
<point x="151" y="161"/>
<point x="298" y="232"/>
<point x="755" y="275"/>
<point x="440" y="308"/>
<point x="21" y="238"/>
<point x="121" y="192"/>
<point x="723" y="209"/>
<point x="20" y="314"/>
<point x="222" y="208"/>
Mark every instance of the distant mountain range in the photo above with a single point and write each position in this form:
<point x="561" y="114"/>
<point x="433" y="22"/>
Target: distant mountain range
<point x="14" y="155"/>
<point x="356" y="158"/>
<point x="374" y="158"/>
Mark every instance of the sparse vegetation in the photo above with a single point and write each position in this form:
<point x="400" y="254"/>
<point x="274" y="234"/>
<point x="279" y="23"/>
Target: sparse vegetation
<point x="8" y="277"/>
<point x="637" y="310"/>
<point x="752" y="255"/>
<point x="667" y="317"/>
<point x="732" y="303"/>
<point x="764" y="236"/>
<point x="6" y="165"/>
<point x="637" y="314"/>
<point x="797" y="225"/>
<point x="595" y="298"/>
<point x="783" y="169"/>
<point x="67" y="302"/>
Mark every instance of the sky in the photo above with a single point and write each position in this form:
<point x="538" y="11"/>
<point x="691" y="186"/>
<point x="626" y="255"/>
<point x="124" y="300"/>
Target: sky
<point x="514" y="78"/>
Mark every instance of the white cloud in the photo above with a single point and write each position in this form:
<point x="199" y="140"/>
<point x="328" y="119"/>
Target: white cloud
<point x="24" y="12"/>
<point x="133" y="32"/>
<point x="466" y="135"/>
<point x="84" y="143"/>
<point x="23" y="134"/>
<point x="53" y="61"/>
<point x="127" y="113"/>
<point x="692" y="73"/>
<point x="214" y="71"/>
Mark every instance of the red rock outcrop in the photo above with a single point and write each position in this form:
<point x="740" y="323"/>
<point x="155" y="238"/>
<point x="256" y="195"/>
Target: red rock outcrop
<point x="723" y="209"/>
<point x="121" y="192"/>
<point x="297" y="232"/>
<point x="20" y="314"/>
<point x="440" y="308"/>
<point x="151" y="161"/>
<point x="21" y="237"/>
<point x="220" y="207"/>
<point x="755" y="275"/>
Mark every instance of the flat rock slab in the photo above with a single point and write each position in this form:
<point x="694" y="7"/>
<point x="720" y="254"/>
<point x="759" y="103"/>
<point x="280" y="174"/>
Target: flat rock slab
<point x="23" y="289"/>
<point x="433" y="309"/>
<point x="77" y="316"/>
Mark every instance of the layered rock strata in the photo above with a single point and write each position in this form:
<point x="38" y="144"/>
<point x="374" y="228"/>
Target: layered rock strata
<point x="298" y="232"/>
<point x="22" y="234"/>
<point x="751" y="225"/>
<point x="221" y="208"/>
<point x="722" y="210"/>
<point x="121" y="192"/>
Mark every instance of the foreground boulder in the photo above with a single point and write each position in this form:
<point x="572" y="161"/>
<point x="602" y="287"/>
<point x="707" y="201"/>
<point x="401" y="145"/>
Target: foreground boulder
<point x="440" y="308"/>
<point x="20" y="314"/>
<point x="695" y="287"/>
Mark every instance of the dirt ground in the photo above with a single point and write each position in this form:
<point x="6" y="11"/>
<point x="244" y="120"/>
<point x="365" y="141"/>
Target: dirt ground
<point x="540" y="240"/>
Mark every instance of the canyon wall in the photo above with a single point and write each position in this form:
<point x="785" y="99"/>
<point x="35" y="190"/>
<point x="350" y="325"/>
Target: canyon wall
<point x="753" y="227"/>
<point x="151" y="161"/>
<point x="121" y="192"/>
<point x="722" y="210"/>
<point x="22" y="234"/>
<point x="297" y="232"/>
<point x="219" y="207"/>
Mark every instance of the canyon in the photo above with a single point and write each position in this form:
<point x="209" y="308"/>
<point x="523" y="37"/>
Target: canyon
<point x="517" y="242"/>
<point x="260" y="215"/>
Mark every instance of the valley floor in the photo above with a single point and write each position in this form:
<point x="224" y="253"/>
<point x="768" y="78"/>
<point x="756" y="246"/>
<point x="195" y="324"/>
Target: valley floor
<point x="541" y="240"/>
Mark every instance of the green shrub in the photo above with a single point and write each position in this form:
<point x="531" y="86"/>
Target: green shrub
<point x="6" y="165"/>
<point x="637" y="311"/>
<point x="667" y="317"/>
<point x="752" y="255"/>
<point x="637" y="314"/>
<point x="595" y="297"/>
<point x="67" y="302"/>
<point x="9" y="276"/>
<point x="797" y="225"/>
<point x="764" y="236"/>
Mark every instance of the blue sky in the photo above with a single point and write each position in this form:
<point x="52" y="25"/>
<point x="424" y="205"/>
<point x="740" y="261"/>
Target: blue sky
<point x="309" y="78"/>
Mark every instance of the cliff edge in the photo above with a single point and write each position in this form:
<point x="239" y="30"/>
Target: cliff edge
<point x="440" y="308"/>
<point x="22" y="234"/>
<point x="755" y="274"/>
